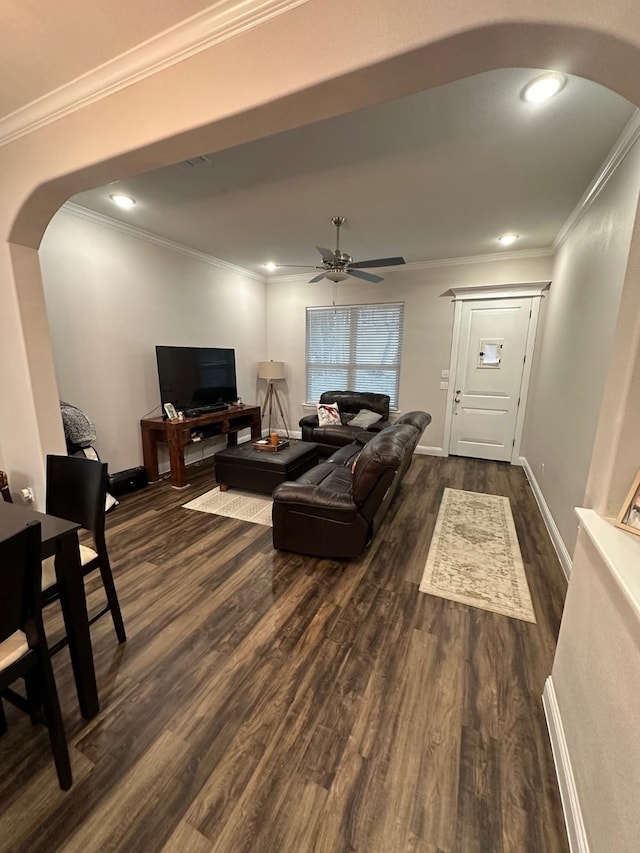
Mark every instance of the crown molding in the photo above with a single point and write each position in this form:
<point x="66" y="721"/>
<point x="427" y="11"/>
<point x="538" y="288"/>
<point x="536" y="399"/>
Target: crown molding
<point x="625" y="143"/>
<point x="520" y="255"/>
<point x="81" y="212"/>
<point x="222" y="21"/>
<point x="140" y="234"/>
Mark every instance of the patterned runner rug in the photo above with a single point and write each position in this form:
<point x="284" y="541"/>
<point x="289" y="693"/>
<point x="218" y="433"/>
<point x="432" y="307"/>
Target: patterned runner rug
<point x="247" y="506"/>
<point x="474" y="556"/>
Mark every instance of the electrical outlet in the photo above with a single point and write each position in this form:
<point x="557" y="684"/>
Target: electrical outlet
<point x="444" y="386"/>
<point x="444" y="374"/>
<point x="27" y="495"/>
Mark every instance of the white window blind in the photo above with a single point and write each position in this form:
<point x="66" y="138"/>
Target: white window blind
<point x="354" y="348"/>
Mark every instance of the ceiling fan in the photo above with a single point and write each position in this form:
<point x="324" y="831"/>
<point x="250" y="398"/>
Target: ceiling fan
<point x="337" y="265"/>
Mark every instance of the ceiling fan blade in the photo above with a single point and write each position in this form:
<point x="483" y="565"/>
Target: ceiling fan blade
<point x="366" y="276"/>
<point x="326" y="253"/>
<point x="317" y="278"/>
<point x="378" y="262"/>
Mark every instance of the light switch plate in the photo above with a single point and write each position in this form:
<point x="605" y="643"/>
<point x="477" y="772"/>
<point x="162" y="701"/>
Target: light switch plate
<point x="444" y="386"/>
<point x="444" y="374"/>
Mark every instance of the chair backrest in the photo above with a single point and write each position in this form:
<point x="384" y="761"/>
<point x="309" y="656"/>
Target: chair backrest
<point x="4" y="487"/>
<point x="76" y="490"/>
<point x="20" y="574"/>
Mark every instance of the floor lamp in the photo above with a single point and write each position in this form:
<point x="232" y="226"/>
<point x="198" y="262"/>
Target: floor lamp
<point x="273" y="371"/>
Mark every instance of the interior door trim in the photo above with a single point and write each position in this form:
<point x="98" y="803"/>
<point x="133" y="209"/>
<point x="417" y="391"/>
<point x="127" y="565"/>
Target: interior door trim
<point x="498" y="291"/>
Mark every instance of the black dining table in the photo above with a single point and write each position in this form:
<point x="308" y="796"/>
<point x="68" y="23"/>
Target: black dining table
<point x="60" y="540"/>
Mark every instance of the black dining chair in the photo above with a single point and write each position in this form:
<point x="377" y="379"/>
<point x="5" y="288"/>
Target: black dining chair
<point x="23" y="644"/>
<point x="76" y="490"/>
<point x="4" y="488"/>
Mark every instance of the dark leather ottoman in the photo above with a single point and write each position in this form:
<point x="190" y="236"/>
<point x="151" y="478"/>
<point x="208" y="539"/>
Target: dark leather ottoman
<point x="242" y="467"/>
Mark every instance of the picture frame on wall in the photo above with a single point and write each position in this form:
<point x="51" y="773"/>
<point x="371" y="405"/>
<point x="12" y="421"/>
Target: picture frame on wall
<point x="629" y="517"/>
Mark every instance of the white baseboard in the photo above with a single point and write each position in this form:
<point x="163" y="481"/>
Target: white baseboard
<point x="561" y="549"/>
<point x="576" y="832"/>
<point x="425" y="450"/>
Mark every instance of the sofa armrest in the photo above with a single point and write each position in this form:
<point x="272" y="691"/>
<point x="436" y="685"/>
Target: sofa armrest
<point x="309" y="420"/>
<point x="312" y="499"/>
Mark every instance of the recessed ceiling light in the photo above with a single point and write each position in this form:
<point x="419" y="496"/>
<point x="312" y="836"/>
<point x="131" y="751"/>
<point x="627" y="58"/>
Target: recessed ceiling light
<point x="543" y="87"/>
<point x="124" y="201"/>
<point x="270" y="266"/>
<point x="508" y="239"/>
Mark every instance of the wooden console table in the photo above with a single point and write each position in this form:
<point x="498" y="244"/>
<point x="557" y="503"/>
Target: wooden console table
<point x="178" y="434"/>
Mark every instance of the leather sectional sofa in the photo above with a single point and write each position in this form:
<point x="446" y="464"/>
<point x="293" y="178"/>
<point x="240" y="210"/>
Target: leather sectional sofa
<point x="335" y="508"/>
<point x="328" y="438"/>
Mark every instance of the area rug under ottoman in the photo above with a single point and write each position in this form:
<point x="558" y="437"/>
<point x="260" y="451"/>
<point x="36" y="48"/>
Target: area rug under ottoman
<point x="474" y="556"/>
<point x="246" y="506"/>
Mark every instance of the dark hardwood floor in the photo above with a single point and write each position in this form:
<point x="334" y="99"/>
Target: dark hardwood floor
<point x="272" y="702"/>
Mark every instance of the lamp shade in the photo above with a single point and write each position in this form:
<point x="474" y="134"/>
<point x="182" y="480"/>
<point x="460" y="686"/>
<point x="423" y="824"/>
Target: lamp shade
<point x="271" y="370"/>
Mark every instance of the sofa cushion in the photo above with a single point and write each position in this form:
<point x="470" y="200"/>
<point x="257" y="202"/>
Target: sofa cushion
<point x="328" y="415"/>
<point x="353" y="401"/>
<point x="345" y="455"/>
<point x="336" y="436"/>
<point x="331" y="495"/>
<point x="317" y="474"/>
<point x="365" y="418"/>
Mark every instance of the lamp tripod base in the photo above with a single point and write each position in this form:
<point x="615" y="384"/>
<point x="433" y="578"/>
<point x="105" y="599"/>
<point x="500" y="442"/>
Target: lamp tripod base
<point x="273" y="398"/>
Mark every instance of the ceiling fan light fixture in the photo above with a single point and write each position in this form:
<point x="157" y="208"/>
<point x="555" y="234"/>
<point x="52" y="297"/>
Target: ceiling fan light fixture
<point x="543" y="87"/>
<point x="508" y="239"/>
<point x="126" y="202"/>
<point x="336" y="275"/>
<point x="270" y="266"/>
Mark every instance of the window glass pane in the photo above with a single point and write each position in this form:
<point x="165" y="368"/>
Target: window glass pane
<point x="325" y="379"/>
<point x="379" y="381"/>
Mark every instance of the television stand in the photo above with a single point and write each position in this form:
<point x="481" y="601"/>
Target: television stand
<point x="205" y="409"/>
<point x="177" y="434"/>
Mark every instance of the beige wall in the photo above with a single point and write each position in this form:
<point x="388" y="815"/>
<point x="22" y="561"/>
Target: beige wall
<point x="111" y="298"/>
<point x="581" y="313"/>
<point x="596" y="676"/>
<point x="428" y="325"/>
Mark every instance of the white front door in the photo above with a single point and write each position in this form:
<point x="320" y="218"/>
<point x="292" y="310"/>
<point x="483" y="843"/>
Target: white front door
<point x="488" y="377"/>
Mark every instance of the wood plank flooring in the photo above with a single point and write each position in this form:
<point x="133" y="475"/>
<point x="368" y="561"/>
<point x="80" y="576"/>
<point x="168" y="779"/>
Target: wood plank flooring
<point x="267" y="701"/>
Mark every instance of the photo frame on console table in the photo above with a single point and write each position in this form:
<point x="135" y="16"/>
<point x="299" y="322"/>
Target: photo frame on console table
<point x="170" y="411"/>
<point x="629" y="517"/>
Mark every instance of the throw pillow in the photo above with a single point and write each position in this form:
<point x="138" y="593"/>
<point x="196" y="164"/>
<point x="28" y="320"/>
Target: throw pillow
<point x="329" y="414"/>
<point x="365" y="418"/>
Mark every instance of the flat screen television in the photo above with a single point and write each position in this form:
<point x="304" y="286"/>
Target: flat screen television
<point x="196" y="376"/>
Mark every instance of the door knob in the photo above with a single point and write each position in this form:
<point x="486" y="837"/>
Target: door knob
<point x="457" y="397"/>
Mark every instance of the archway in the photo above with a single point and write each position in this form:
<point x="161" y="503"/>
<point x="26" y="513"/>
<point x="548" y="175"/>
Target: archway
<point x="172" y="115"/>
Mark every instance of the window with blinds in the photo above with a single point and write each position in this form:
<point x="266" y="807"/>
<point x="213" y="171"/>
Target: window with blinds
<point x="354" y="348"/>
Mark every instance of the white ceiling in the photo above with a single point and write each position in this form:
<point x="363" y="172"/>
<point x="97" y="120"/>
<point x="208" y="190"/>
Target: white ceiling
<point x="436" y="175"/>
